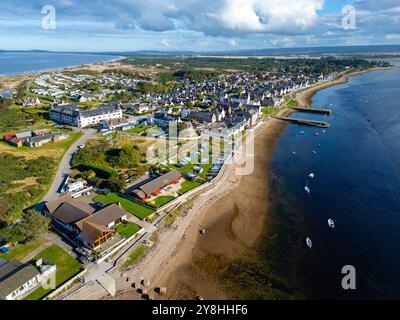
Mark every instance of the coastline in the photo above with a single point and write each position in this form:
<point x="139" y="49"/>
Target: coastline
<point x="304" y="98"/>
<point x="233" y="221"/>
<point x="12" y="81"/>
<point x="237" y="218"/>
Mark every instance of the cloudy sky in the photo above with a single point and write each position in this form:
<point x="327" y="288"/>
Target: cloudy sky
<point x="199" y="25"/>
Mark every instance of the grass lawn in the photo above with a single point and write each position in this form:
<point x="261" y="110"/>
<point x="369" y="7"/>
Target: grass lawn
<point x="127" y="230"/>
<point x="292" y="103"/>
<point x="136" y="130"/>
<point x="130" y="206"/>
<point x="160" y="201"/>
<point x="267" y="111"/>
<point x="67" y="267"/>
<point x="188" y="185"/>
<point x="20" y="251"/>
<point x="135" y="256"/>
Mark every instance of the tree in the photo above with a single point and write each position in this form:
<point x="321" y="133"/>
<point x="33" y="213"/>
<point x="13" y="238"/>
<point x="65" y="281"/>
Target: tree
<point x="33" y="224"/>
<point x="115" y="184"/>
<point x="88" y="174"/>
<point x="11" y="235"/>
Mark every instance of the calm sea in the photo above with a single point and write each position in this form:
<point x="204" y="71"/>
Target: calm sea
<point x="12" y="63"/>
<point x="356" y="183"/>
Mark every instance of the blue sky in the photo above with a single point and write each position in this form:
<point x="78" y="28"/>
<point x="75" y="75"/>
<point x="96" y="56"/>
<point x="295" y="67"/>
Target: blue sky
<point x="199" y="25"/>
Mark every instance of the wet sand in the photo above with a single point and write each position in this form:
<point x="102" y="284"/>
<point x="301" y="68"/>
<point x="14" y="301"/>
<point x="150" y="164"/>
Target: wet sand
<point x="233" y="225"/>
<point x="234" y="215"/>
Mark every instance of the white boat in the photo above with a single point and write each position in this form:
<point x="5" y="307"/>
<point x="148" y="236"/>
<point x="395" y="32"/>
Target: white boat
<point x="302" y="132"/>
<point x="307" y="189"/>
<point x="323" y="131"/>
<point x="309" y="242"/>
<point x="294" y="153"/>
<point x="316" y="134"/>
<point x="311" y="175"/>
<point x="315" y="152"/>
<point x="331" y="223"/>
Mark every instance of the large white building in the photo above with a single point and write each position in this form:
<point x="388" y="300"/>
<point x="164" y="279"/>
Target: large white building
<point x="71" y="115"/>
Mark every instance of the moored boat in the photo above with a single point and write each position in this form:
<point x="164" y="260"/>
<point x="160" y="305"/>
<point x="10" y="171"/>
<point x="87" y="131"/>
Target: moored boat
<point x="308" y="242"/>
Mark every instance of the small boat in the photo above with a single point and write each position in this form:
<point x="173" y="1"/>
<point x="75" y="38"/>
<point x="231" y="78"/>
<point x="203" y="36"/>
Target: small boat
<point x="308" y="242"/>
<point x="323" y="131"/>
<point x="316" y="134"/>
<point x="307" y="189"/>
<point x="302" y="132"/>
<point x="311" y="175"/>
<point x="294" y="153"/>
<point x="331" y="223"/>
<point x="315" y="152"/>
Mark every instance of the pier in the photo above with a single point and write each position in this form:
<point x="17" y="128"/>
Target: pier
<point x="313" y="110"/>
<point x="314" y="123"/>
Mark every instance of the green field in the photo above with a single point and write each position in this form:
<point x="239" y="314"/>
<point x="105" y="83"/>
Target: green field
<point x="20" y="251"/>
<point x="292" y="103"/>
<point x="130" y="206"/>
<point x="160" y="201"/>
<point x="268" y="111"/>
<point x="138" y="130"/>
<point x="67" y="267"/>
<point x="188" y="185"/>
<point x="127" y="230"/>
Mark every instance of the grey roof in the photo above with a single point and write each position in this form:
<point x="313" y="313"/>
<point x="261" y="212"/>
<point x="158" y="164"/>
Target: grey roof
<point x="99" y="111"/>
<point x="24" y="135"/>
<point x="46" y="137"/>
<point x="2" y="261"/>
<point x="104" y="216"/>
<point x="160" y="182"/>
<point x="67" y="109"/>
<point x="202" y="116"/>
<point x="68" y="213"/>
<point x="53" y="205"/>
<point x="13" y="275"/>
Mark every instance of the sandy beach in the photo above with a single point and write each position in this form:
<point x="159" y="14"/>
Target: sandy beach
<point x="304" y="98"/>
<point x="235" y="216"/>
<point x="11" y="82"/>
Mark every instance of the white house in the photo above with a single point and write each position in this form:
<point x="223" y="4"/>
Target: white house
<point x="18" y="279"/>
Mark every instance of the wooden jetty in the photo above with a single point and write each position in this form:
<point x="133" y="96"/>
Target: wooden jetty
<point x="313" y="110"/>
<point x="314" y="123"/>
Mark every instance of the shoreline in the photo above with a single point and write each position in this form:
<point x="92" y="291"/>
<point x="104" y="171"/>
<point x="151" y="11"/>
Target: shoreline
<point x="76" y="66"/>
<point x="304" y="98"/>
<point x="231" y="231"/>
<point x="10" y="82"/>
<point x="192" y="263"/>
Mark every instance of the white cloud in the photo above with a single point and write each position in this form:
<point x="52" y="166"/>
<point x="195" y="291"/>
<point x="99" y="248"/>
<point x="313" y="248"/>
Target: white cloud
<point x="233" y="43"/>
<point x="166" y="43"/>
<point x="289" y="16"/>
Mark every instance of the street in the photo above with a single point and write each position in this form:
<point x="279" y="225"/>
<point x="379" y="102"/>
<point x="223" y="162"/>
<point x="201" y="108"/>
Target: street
<point x="65" y="165"/>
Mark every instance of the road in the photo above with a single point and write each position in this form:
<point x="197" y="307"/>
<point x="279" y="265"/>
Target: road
<point x="65" y="165"/>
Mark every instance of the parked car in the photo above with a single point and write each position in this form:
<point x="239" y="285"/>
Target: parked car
<point x="98" y="205"/>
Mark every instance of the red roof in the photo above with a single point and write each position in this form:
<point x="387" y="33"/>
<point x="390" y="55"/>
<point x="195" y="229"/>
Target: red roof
<point x="9" y="136"/>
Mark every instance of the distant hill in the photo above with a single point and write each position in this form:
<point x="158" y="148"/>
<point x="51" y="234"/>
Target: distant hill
<point x="328" y="50"/>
